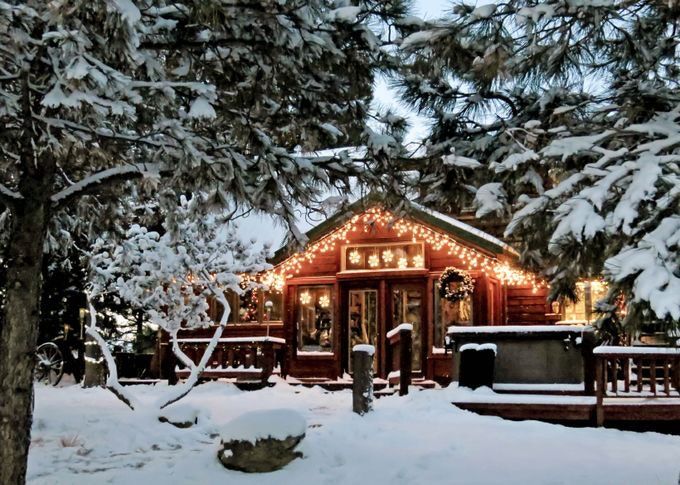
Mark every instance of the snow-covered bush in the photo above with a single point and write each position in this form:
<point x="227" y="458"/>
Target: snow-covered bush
<point x="172" y="276"/>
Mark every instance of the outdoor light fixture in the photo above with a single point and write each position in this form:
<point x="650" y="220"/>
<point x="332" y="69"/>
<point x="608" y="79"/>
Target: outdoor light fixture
<point x="354" y="257"/>
<point x="402" y="263"/>
<point x="388" y="255"/>
<point x="418" y="261"/>
<point x="373" y="261"/>
<point x="305" y="298"/>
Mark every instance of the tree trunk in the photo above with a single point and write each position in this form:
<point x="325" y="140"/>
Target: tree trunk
<point x="18" y="336"/>
<point x="94" y="364"/>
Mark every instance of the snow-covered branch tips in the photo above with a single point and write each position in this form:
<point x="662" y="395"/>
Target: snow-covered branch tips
<point x="174" y="275"/>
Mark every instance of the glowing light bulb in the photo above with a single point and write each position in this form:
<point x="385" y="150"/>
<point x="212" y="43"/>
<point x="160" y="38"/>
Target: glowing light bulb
<point x="418" y="261"/>
<point x="402" y="263"/>
<point x="305" y="298"/>
<point x="373" y="261"/>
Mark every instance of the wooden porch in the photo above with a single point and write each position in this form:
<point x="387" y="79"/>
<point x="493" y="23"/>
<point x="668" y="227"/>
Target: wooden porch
<point x="629" y="387"/>
<point x="634" y="388"/>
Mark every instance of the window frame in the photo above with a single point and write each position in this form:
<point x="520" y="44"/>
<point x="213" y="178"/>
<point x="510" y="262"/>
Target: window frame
<point x="297" y="289"/>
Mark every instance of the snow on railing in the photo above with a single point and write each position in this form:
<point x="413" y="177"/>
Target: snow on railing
<point x="519" y="329"/>
<point x="635" y="372"/>
<point x="234" y="340"/>
<point x="402" y="326"/>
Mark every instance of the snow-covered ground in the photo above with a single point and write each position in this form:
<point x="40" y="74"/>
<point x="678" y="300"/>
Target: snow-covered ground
<point x="86" y="436"/>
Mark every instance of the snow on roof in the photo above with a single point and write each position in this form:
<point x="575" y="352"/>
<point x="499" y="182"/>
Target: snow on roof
<point x="465" y="227"/>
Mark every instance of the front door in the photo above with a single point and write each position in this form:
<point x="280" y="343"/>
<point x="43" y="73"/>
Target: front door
<point x="362" y="321"/>
<point x="371" y="308"/>
<point x="406" y="305"/>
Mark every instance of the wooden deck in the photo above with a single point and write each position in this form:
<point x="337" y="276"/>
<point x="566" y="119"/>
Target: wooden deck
<point x="641" y="414"/>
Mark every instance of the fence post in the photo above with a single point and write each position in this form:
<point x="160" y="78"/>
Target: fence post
<point x="405" y="356"/>
<point x="589" y="377"/>
<point x="599" y="393"/>
<point x="267" y="360"/>
<point x="362" y="387"/>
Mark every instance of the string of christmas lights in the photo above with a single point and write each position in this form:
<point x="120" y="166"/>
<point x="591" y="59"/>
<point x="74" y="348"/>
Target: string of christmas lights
<point x="377" y="217"/>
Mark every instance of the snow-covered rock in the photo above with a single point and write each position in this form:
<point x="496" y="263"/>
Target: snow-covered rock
<point x="262" y="441"/>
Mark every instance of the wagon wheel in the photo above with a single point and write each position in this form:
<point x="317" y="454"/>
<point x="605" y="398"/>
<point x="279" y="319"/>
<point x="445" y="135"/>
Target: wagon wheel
<point x="49" y="363"/>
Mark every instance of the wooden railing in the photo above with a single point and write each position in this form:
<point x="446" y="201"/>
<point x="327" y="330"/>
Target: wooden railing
<point x="238" y="357"/>
<point x="400" y="341"/>
<point x="635" y="372"/>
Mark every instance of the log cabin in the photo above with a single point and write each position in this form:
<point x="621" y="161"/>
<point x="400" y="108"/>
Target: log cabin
<point x="365" y="271"/>
<point x="368" y="276"/>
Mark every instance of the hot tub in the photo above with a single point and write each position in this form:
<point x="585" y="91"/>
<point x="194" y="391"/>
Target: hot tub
<point x="532" y="354"/>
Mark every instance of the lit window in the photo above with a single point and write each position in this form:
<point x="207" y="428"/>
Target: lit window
<point x="588" y="293"/>
<point x="315" y="318"/>
<point x="252" y="306"/>
<point x="383" y="257"/>
<point x="448" y="313"/>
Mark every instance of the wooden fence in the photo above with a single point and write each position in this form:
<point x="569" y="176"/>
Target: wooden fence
<point x="635" y="372"/>
<point x="238" y="357"/>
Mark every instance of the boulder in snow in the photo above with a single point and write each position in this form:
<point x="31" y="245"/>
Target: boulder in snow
<point x="181" y="416"/>
<point x="262" y="441"/>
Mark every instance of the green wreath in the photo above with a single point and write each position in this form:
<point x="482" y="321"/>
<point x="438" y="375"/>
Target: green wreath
<point x="462" y="290"/>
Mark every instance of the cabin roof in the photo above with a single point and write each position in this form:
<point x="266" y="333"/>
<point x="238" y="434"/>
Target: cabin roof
<point x="460" y="231"/>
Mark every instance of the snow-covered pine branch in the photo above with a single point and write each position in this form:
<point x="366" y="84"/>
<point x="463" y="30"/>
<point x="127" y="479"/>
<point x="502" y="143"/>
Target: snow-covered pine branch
<point x="572" y="109"/>
<point x="624" y="203"/>
<point x="122" y="173"/>
<point x="174" y="275"/>
<point x="220" y="92"/>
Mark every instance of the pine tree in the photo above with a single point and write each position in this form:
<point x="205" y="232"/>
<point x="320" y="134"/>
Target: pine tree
<point x="108" y="97"/>
<point x="566" y="115"/>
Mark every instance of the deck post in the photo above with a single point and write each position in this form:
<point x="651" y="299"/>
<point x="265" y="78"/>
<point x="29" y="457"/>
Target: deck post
<point x="405" y="357"/>
<point x="267" y="360"/>
<point x="588" y="345"/>
<point x="599" y="393"/>
<point x="362" y="386"/>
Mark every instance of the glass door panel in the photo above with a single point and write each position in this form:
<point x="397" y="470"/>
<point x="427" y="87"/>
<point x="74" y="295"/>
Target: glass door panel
<point x="363" y="321"/>
<point x="407" y="307"/>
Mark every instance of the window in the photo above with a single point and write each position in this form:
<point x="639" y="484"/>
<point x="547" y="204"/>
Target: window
<point x="447" y="313"/>
<point x="383" y="256"/>
<point x="588" y="293"/>
<point x="315" y="318"/>
<point x="252" y="306"/>
<point x="249" y="306"/>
